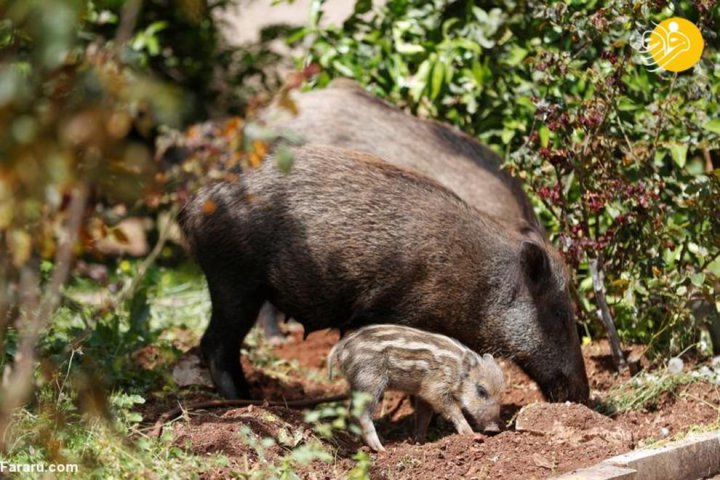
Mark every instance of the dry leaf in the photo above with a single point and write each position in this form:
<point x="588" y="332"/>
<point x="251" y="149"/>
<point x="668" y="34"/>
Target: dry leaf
<point x="543" y="462"/>
<point x="209" y="207"/>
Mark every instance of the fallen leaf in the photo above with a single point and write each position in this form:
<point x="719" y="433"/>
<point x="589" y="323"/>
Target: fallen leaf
<point x="543" y="462"/>
<point x="209" y="207"/>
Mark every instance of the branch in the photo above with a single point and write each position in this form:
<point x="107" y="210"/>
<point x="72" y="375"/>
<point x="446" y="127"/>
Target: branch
<point x="130" y="289"/>
<point x="304" y="403"/>
<point x="603" y="312"/>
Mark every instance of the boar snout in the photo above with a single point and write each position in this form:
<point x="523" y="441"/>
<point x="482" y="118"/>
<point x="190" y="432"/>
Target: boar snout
<point x="562" y="388"/>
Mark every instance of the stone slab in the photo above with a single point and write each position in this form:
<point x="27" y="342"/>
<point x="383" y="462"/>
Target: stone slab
<point x="601" y="472"/>
<point x="698" y="456"/>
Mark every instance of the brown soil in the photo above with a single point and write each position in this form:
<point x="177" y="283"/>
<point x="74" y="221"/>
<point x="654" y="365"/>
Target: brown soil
<point x="542" y="440"/>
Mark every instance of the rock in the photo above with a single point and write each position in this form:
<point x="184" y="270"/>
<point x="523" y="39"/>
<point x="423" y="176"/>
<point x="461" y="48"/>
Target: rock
<point x="600" y="472"/>
<point x="715" y="362"/>
<point x="189" y="371"/>
<point x="675" y="365"/>
<point x="572" y="422"/>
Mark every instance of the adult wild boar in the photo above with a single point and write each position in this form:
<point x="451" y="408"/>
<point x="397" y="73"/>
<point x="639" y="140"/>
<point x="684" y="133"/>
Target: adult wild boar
<point x="344" y="115"/>
<point x="345" y="240"/>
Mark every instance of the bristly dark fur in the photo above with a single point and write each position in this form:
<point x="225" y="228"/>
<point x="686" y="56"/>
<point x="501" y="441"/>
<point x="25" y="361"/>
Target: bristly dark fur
<point x="344" y="240"/>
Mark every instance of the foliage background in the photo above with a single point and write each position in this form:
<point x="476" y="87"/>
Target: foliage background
<point x="622" y="162"/>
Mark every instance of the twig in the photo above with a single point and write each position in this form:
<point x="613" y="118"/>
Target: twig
<point x="631" y="149"/>
<point x="709" y="260"/>
<point x="304" y="403"/>
<point x="130" y="289"/>
<point x="128" y="19"/>
<point x="661" y="115"/>
<point x="603" y="313"/>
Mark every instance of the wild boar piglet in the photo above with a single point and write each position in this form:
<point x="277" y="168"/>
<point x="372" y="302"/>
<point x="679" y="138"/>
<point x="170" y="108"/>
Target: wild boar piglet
<point x="441" y="373"/>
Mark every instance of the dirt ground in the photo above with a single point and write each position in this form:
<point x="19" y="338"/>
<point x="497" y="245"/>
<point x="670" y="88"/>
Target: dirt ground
<point x="541" y="441"/>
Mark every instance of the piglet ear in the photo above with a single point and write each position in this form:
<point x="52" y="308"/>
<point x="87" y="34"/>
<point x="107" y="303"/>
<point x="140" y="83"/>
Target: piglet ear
<point x="535" y="262"/>
<point x="469" y="362"/>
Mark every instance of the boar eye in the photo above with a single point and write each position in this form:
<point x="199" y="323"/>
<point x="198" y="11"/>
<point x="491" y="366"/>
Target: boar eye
<point x="482" y="393"/>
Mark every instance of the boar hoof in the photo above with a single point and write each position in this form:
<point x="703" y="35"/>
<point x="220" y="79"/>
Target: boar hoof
<point x="230" y="384"/>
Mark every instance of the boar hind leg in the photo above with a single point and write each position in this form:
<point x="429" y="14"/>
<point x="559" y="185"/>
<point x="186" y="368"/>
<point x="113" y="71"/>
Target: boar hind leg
<point x="269" y="321"/>
<point x="423" y="415"/>
<point x="234" y="311"/>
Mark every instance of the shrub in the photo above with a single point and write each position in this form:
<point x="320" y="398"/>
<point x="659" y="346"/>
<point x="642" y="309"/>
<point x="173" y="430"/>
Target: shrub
<point x="622" y="163"/>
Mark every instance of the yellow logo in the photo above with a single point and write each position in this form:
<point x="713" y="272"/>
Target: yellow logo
<point x="674" y="44"/>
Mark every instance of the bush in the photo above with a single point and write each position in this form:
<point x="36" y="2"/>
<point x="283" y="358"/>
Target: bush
<point x="622" y="163"/>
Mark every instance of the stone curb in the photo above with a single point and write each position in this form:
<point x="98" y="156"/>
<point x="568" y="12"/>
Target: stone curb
<point x="697" y="456"/>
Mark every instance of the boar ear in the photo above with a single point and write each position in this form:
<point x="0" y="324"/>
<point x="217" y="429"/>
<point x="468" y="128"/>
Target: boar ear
<point x="535" y="262"/>
<point x="531" y="232"/>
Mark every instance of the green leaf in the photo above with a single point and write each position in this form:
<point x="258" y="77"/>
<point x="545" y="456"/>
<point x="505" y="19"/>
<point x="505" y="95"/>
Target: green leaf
<point x="516" y="56"/>
<point x="697" y="279"/>
<point x="437" y="80"/>
<point x="362" y="6"/>
<point x="624" y="104"/>
<point x="679" y="153"/>
<point x="544" y="134"/>
<point x="284" y="158"/>
<point x="343" y="69"/>
<point x="316" y="13"/>
<point x="420" y="80"/>
<point x="713" y="126"/>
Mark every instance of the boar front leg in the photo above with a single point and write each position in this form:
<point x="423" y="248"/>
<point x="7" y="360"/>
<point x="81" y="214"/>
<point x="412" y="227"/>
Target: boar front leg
<point x="234" y="311"/>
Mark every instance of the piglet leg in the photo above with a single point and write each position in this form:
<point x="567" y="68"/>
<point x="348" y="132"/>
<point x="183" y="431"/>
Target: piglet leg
<point x="423" y="415"/>
<point x="368" y="432"/>
<point x="453" y="413"/>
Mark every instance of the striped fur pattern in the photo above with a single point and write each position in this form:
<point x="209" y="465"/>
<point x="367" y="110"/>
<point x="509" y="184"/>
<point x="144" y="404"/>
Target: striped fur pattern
<point x="443" y="374"/>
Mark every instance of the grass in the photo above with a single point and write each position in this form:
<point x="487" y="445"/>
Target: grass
<point x="644" y="390"/>
<point x="129" y="349"/>
<point x="101" y="448"/>
<point x="90" y="350"/>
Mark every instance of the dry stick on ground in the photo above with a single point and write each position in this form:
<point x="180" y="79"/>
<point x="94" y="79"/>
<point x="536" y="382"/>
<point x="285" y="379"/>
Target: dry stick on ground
<point x="304" y="403"/>
<point x="603" y="312"/>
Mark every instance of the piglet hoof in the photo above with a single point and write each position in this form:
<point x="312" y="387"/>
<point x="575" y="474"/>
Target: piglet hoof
<point x="478" y="437"/>
<point x="373" y="442"/>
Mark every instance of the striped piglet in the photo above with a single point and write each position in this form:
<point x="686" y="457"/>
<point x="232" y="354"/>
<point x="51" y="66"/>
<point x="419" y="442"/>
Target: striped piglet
<point x="444" y="376"/>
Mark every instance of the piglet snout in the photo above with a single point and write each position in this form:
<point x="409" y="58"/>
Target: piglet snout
<point x="491" y="428"/>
